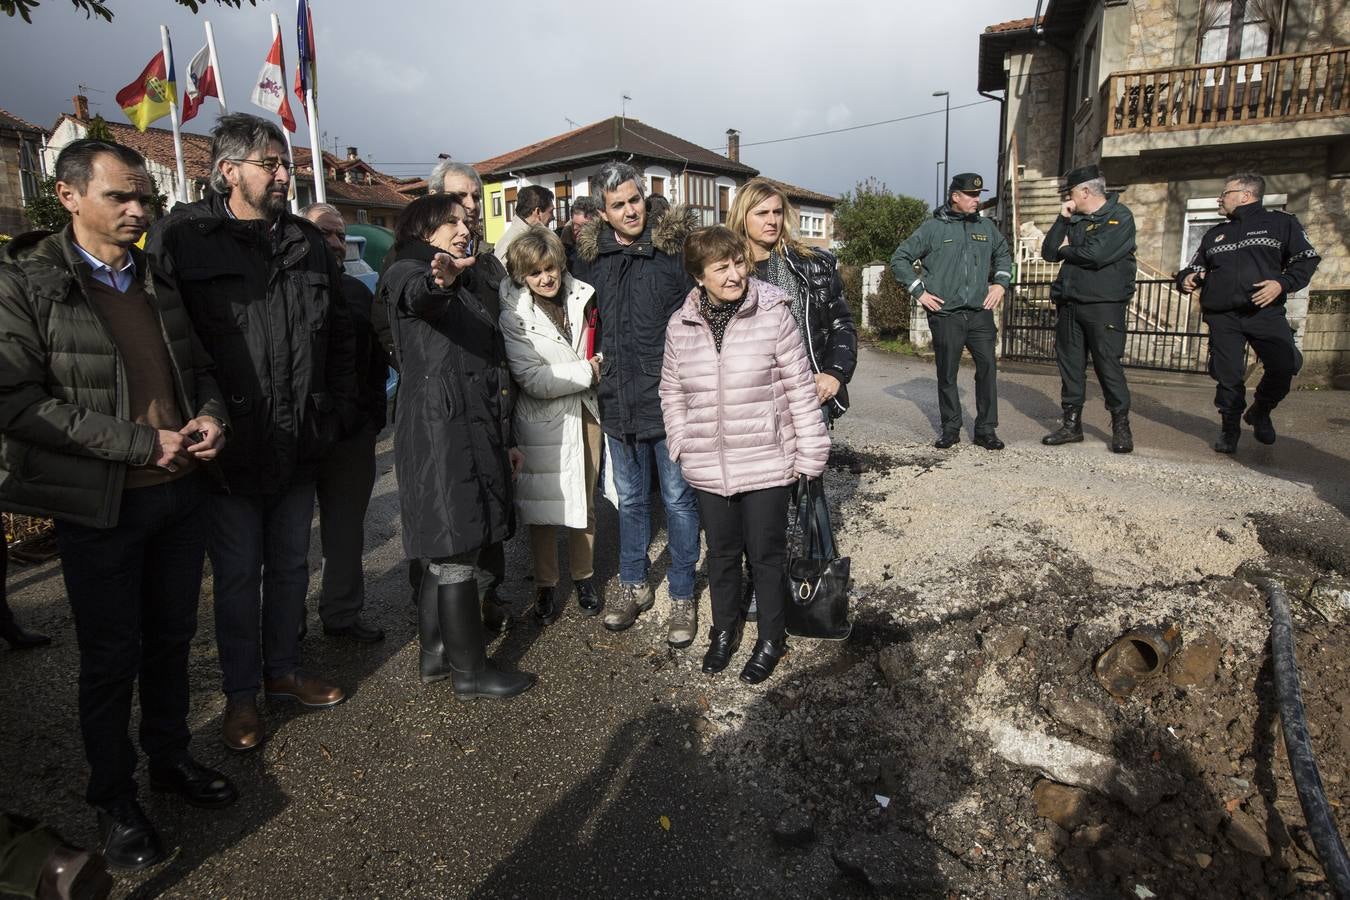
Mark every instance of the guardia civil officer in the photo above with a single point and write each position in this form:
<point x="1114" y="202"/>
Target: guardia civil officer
<point x="958" y="267"/>
<point x="1245" y="268"/>
<point x="1093" y="238"/>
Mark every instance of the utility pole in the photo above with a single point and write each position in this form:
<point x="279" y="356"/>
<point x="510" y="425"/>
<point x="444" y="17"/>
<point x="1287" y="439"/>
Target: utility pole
<point x="946" y="133"/>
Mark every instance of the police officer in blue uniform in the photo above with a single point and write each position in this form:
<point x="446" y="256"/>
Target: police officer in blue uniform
<point x="1244" y="270"/>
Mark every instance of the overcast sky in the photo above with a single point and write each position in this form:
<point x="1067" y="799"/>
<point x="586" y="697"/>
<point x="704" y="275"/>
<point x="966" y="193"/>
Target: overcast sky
<point x="404" y="80"/>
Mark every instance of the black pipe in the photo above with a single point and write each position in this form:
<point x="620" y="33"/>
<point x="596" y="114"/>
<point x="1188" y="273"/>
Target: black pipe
<point x="1289" y="697"/>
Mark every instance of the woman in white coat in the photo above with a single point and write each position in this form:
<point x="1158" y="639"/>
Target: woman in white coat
<point x="545" y="320"/>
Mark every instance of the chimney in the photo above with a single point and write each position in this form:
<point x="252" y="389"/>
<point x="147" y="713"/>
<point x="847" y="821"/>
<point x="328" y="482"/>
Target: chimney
<point x="82" y="107"/>
<point x="351" y="153"/>
<point x="733" y="145"/>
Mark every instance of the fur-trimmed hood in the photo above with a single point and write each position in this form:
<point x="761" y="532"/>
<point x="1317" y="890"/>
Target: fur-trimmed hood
<point x="665" y="234"/>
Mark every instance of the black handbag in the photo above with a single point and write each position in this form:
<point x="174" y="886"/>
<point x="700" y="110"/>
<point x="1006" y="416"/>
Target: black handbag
<point x="818" y="607"/>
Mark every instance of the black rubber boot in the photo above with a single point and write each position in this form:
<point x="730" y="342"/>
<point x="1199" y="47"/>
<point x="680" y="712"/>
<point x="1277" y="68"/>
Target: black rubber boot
<point x="462" y="629"/>
<point x="1258" y="416"/>
<point x="1230" y="431"/>
<point x="1070" y="430"/>
<point x="1122" y="441"/>
<point x="433" y="665"/>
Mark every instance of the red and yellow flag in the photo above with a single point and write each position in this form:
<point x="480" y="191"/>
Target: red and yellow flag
<point x="149" y="97"/>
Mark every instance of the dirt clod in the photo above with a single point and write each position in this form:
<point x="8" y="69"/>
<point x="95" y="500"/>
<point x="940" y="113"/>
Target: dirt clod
<point x="1064" y="805"/>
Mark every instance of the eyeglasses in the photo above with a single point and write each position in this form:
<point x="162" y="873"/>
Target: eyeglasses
<point x="271" y="164"/>
<point x="1233" y="191"/>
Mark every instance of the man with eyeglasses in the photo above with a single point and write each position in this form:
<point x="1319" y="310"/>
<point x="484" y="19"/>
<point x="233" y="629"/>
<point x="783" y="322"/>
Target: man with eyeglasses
<point x="1245" y="268"/>
<point x="957" y="265"/>
<point x="264" y="293"/>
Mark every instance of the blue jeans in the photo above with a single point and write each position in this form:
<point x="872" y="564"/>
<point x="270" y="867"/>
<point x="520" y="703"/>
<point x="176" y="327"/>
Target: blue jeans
<point x="259" y="551"/>
<point x="133" y="591"/>
<point x="632" y="464"/>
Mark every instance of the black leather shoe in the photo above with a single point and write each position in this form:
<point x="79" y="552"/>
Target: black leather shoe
<point x="199" y="786"/>
<point x="129" y="840"/>
<point x="496" y="616"/>
<point x="1229" y="434"/>
<point x="546" y="606"/>
<point x="988" y="441"/>
<point x="763" y="659"/>
<point x="19" y="638"/>
<point x="588" y="600"/>
<point x="721" y="644"/>
<point x="948" y="439"/>
<point x="357" y="631"/>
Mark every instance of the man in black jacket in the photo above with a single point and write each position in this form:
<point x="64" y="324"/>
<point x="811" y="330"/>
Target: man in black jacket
<point x="1093" y="238"/>
<point x="1245" y="268"/>
<point x="347" y="475"/>
<point x="637" y="270"/>
<point x="109" y="414"/>
<point x="265" y="295"/>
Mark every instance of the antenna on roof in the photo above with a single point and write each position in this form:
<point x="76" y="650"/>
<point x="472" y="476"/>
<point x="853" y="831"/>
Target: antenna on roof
<point x="573" y="122"/>
<point x="623" y="106"/>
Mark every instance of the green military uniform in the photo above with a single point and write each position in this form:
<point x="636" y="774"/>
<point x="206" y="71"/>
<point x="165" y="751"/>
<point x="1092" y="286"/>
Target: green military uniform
<point x="956" y="257"/>
<point x="1091" y="295"/>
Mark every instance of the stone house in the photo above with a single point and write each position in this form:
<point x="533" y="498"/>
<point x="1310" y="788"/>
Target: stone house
<point x="1169" y="97"/>
<point x="21" y="171"/>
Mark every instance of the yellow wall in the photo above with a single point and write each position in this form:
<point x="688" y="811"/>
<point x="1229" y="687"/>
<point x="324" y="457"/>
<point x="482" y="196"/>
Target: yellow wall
<point x="493" y="226"/>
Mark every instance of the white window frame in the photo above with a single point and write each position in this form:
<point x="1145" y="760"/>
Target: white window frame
<point x="807" y="220"/>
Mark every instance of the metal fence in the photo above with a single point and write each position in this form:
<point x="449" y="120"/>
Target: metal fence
<point x="1164" y="329"/>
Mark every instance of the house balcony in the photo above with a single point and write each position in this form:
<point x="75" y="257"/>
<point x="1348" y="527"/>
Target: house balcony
<point x="1297" y="98"/>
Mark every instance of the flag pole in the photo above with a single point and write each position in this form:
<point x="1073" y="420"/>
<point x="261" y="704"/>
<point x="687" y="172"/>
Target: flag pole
<point x="292" y="193"/>
<point x="173" y="115"/>
<point x="312" y="114"/>
<point x="215" y="67"/>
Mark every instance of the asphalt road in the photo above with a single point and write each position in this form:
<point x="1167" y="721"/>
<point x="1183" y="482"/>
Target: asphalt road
<point x="596" y="783"/>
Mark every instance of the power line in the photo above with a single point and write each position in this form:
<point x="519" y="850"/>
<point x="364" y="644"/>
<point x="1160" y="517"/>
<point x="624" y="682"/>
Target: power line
<point x="799" y="137"/>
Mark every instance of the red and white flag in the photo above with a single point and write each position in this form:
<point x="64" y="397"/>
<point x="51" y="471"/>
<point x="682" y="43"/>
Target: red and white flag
<point x="201" y="83"/>
<point x="270" y="91"/>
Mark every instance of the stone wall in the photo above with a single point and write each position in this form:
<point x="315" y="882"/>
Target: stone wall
<point x="1326" y="338"/>
<point x="1316" y="25"/>
<point x="1035" y="109"/>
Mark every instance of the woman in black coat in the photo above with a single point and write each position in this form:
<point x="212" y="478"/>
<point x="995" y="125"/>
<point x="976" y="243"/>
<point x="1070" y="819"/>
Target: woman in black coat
<point x="764" y="217"/>
<point x="453" y="448"/>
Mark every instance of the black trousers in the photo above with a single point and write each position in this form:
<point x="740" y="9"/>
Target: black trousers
<point x="133" y="591"/>
<point x="754" y="524"/>
<point x="1268" y="332"/>
<point x="953" y="332"/>
<point x="6" y="614"/>
<point x="1097" y="329"/>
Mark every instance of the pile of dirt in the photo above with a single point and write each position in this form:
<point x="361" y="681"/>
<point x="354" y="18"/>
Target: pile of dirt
<point x="960" y="744"/>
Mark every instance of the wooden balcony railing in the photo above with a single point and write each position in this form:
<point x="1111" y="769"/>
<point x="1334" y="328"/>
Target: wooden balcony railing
<point x="1267" y="89"/>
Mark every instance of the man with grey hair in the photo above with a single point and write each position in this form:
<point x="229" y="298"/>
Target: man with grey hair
<point x="347" y="474"/>
<point x="450" y="177"/>
<point x="637" y="270"/>
<point x="1093" y="239"/>
<point x="1245" y="268"/>
<point x="262" y="290"/>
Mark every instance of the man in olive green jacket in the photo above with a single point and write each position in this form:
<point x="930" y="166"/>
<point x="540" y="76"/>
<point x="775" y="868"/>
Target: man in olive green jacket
<point x="109" y="415"/>
<point x="957" y="265"/>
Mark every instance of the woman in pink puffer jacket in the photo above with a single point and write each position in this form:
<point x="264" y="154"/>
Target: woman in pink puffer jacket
<point x="743" y="422"/>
